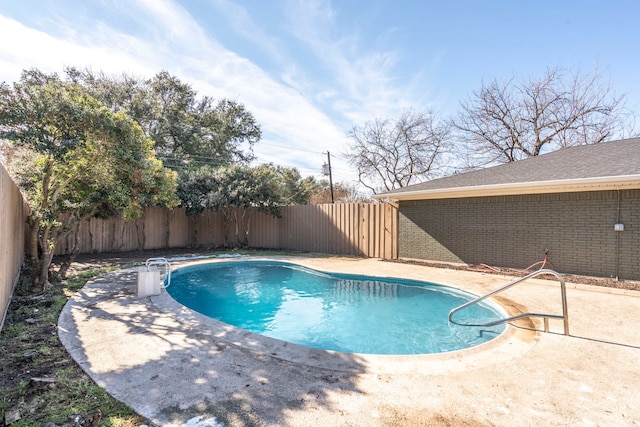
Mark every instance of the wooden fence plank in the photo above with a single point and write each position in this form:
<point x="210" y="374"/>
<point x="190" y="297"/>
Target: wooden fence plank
<point x="344" y="228"/>
<point x="13" y="238"/>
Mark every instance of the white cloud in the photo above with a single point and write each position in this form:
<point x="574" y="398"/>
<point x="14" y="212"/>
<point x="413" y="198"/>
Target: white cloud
<point x="366" y="79"/>
<point x="171" y="24"/>
<point x="286" y="117"/>
<point x="243" y="24"/>
<point x="31" y="48"/>
<point x="174" y="41"/>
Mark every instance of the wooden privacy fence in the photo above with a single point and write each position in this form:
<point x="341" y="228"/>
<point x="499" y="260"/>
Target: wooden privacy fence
<point x="363" y="229"/>
<point x="13" y="214"/>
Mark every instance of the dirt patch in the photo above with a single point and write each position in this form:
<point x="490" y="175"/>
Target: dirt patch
<point x="121" y="259"/>
<point x="39" y="381"/>
<point x="411" y="417"/>
<point x="124" y="259"/>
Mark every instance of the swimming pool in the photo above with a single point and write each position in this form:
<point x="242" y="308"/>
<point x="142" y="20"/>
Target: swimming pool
<point x="339" y="312"/>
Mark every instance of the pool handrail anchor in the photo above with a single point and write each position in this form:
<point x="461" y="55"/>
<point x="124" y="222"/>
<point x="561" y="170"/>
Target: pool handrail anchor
<point x="167" y="269"/>
<point x="563" y="290"/>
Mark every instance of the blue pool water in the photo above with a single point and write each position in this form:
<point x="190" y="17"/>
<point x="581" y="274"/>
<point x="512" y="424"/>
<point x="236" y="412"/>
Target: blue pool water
<point x="346" y="313"/>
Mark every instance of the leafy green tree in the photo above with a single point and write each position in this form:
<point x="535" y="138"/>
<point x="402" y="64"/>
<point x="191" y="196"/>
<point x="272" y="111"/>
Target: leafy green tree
<point x="187" y="130"/>
<point x="74" y="159"/>
<point x="234" y="190"/>
<point x="290" y="186"/>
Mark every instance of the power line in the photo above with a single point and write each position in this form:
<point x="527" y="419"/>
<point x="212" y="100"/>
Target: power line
<point x="288" y="147"/>
<point x="183" y="163"/>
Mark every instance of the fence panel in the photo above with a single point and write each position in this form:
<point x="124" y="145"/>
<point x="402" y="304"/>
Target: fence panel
<point x="362" y="229"/>
<point x="13" y="214"/>
<point x="343" y="229"/>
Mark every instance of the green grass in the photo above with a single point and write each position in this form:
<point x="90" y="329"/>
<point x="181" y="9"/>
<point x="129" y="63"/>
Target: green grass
<point x="30" y="348"/>
<point x="39" y="380"/>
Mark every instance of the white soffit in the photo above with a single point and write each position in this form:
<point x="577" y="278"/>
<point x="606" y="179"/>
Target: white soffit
<point x="517" y="188"/>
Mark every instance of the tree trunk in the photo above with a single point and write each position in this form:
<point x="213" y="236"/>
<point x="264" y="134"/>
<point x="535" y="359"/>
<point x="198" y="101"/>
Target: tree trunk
<point x="242" y="228"/>
<point x="71" y="256"/>
<point x="34" y="250"/>
<point x="47" y="249"/>
<point x="226" y="217"/>
<point x="43" y="279"/>
<point x="242" y="232"/>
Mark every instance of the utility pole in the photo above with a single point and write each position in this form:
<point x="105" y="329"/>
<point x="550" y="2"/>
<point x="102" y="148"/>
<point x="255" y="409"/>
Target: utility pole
<point x="326" y="170"/>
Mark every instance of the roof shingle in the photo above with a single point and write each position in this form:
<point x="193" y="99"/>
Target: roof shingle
<point x="607" y="159"/>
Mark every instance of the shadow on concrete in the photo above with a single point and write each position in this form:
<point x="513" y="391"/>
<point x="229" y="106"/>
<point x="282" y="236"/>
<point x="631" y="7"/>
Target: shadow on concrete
<point x="580" y="337"/>
<point x="172" y="368"/>
<point x="605" y="342"/>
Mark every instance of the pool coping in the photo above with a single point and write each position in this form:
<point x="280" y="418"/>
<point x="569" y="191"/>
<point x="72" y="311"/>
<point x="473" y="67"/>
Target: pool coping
<point x="170" y="365"/>
<point x="512" y="342"/>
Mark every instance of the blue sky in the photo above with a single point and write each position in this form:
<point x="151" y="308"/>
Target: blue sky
<point x="310" y="70"/>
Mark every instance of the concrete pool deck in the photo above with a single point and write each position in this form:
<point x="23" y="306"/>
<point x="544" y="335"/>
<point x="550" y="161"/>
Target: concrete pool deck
<point x="171" y="365"/>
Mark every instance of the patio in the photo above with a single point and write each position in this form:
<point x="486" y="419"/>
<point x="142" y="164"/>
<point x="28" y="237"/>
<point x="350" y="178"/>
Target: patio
<point x="171" y="364"/>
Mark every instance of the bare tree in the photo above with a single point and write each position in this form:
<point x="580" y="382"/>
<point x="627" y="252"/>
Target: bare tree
<point x="393" y="153"/>
<point x="343" y="193"/>
<point x="508" y="121"/>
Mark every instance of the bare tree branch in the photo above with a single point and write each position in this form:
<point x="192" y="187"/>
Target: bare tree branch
<point x="392" y="153"/>
<point x="508" y="121"/>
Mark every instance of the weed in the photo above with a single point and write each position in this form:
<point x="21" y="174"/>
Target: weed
<point x="38" y="378"/>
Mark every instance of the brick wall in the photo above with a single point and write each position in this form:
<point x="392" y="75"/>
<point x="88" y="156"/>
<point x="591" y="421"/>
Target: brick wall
<point x="577" y="230"/>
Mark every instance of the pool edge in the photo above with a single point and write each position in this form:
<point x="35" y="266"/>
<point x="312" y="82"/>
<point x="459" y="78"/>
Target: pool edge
<point x="511" y="343"/>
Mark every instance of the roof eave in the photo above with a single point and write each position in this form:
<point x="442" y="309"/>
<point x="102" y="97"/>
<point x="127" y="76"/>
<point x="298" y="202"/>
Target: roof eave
<point x="519" y="188"/>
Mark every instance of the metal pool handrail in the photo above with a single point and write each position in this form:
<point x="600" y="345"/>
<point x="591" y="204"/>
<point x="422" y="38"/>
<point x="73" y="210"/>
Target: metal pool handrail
<point x="563" y="290"/>
<point x="167" y="268"/>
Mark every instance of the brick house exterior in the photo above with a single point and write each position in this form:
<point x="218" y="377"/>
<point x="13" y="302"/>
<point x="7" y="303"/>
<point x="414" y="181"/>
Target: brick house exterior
<point x="565" y="203"/>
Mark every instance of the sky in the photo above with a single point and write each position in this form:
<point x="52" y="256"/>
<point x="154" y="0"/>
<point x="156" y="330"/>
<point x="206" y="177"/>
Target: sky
<point x="311" y="70"/>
